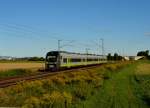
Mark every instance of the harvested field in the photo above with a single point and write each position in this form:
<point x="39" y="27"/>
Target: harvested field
<point x="9" y="66"/>
<point x="143" y="69"/>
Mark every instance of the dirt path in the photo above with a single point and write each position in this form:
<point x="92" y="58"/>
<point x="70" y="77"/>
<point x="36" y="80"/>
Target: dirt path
<point x="118" y="92"/>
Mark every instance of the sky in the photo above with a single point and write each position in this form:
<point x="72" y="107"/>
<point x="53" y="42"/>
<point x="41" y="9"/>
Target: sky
<point x="33" y="27"/>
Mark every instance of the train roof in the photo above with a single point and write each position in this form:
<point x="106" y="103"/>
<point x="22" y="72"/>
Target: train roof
<point x="72" y="53"/>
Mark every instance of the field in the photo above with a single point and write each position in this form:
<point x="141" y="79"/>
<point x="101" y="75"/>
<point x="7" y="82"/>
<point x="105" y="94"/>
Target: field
<point x="120" y="85"/>
<point x="25" y="65"/>
<point x="8" y="69"/>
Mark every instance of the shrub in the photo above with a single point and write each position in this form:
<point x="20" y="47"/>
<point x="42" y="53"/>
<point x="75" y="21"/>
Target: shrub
<point x="47" y="101"/>
<point x="33" y="88"/>
<point x="97" y="82"/>
<point x="111" y="67"/>
<point x="114" y="67"/>
<point x="68" y="98"/>
<point x="32" y="102"/>
<point x="55" y="100"/>
<point x="58" y="80"/>
<point x="78" y="86"/>
<point x="4" y="98"/>
<point x="47" y="84"/>
<point x="82" y="91"/>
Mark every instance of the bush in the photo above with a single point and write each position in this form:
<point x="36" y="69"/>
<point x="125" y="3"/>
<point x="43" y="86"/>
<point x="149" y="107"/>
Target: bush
<point x="114" y="67"/>
<point x="97" y="82"/>
<point x="68" y="98"/>
<point x="32" y="102"/>
<point x="4" y="98"/>
<point x="62" y="90"/>
<point x="33" y="88"/>
<point x="58" y="80"/>
<point x="54" y="100"/>
<point x="48" y="85"/>
<point x="82" y="91"/>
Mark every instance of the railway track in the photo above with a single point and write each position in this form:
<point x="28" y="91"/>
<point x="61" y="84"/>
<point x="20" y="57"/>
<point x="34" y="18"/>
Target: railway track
<point x="14" y="80"/>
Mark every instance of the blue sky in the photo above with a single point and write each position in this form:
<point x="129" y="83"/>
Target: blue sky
<point x="32" y="27"/>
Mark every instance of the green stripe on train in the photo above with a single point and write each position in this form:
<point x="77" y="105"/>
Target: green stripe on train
<point x="81" y="63"/>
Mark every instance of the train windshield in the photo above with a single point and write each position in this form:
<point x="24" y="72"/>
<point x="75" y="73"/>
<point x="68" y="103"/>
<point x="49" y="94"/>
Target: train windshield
<point x="52" y="57"/>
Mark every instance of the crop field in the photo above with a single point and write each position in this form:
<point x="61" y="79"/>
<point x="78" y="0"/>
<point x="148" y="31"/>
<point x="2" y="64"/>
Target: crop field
<point x="24" y="65"/>
<point x="12" y="69"/>
<point x="120" y="85"/>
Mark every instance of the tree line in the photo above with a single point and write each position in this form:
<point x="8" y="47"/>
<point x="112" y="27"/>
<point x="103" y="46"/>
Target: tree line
<point x="115" y="57"/>
<point x="30" y="59"/>
<point x="144" y="53"/>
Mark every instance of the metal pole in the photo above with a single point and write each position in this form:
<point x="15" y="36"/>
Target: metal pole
<point x="87" y="50"/>
<point x="102" y="40"/>
<point x="59" y="48"/>
<point x="100" y="47"/>
<point x="59" y="44"/>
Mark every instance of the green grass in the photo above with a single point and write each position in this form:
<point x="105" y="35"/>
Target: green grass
<point x="68" y="89"/>
<point x="16" y="72"/>
<point x="109" y="86"/>
<point x="120" y="91"/>
<point x="57" y="91"/>
<point x="142" y="80"/>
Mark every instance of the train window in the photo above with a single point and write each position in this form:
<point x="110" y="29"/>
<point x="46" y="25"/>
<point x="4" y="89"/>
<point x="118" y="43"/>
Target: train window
<point x="89" y="59"/>
<point x="51" y="58"/>
<point x="75" y="60"/>
<point x="95" y="59"/>
<point x="65" y="60"/>
<point x="83" y="60"/>
<point x="92" y="59"/>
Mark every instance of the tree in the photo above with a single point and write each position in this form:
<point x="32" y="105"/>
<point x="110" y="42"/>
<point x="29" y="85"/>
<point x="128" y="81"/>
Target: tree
<point x="36" y="59"/>
<point x="109" y="57"/>
<point x="147" y="52"/>
<point x="116" y="56"/>
<point x="143" y="53"/>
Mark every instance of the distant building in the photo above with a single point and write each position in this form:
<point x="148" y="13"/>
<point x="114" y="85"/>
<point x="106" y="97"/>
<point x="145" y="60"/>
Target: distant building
<point x="133" y="57"/>
<point x="6" y="58"/>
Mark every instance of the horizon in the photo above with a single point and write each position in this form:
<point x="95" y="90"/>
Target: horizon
<point x="32" y="28"/>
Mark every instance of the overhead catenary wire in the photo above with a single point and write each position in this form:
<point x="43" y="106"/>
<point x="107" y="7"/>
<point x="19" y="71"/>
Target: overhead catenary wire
<point x="16" y="31"/>
<point x="26" y="32"/>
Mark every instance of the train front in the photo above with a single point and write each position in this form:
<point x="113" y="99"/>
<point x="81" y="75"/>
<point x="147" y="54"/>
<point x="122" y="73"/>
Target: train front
<point x="52" y="61"/>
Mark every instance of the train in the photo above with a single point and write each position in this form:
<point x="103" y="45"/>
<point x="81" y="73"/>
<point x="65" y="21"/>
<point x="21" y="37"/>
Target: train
<point x="57" y="60"/>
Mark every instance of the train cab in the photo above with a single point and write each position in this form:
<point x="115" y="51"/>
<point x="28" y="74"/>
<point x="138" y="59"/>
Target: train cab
<point x="52" y="61"/>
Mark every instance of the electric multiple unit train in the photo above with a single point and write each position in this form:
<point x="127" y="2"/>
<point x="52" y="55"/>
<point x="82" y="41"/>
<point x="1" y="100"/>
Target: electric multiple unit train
<point x="56" y="60"/>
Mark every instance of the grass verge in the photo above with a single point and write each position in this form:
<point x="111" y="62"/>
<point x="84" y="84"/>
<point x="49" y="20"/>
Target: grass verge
<point x="66" y="90"/>
<point x="16" y="72"/>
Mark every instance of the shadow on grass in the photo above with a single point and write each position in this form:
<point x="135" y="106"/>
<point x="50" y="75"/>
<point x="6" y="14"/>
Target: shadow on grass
<point x="143" y="81"/>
